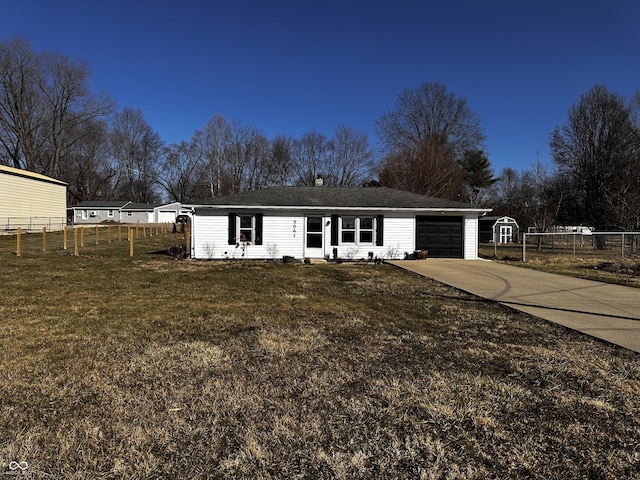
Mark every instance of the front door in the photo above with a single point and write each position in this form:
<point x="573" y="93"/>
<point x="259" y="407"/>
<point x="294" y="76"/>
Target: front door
<point x="506" y="233"/>
<point x="314" y="237"/>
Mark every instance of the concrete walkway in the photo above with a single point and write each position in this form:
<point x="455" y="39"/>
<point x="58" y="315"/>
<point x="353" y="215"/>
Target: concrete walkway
<point x="605" y="311"/>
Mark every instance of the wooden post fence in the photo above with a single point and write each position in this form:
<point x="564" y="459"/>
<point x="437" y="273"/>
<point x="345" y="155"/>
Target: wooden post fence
<point x="18" y="240"/>
<point x="44" y="239"/>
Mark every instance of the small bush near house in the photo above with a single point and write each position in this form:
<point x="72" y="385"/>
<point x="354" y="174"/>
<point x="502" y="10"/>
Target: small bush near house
<point x="113" y="367"/>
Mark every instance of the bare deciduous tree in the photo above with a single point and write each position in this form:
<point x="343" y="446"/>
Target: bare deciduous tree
<point x="432" y="170"/>
<point x="87" y="167"/>
<point x="311" y="156"/>
<point x="44" y="102"/>
<point x="136" y="149"/>
<point x="212" y="142"/>
<point x="22" y="113"/>
<point x="183" y="172"/>
<point x="597" y="150"/>
<point x="352" y="156"/>
<point x="280" y="166"/>
<point x="426" y="113"/>
<point x="69" y="104"/>
<point x="429" y="129"/>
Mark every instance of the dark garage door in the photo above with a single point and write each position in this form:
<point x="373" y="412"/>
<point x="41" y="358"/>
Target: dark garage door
<point x="441" y="236"/>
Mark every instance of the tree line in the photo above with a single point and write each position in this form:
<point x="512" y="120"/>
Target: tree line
<point x="430" y="142"/>
<point x="51" y="122"/>
<point x="595" y="177"/>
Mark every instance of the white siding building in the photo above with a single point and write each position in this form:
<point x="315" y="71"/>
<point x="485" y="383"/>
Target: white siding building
<point x="331" y="222"/>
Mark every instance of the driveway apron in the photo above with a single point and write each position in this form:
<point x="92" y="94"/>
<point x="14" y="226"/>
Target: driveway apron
<point x="605" y="311"/>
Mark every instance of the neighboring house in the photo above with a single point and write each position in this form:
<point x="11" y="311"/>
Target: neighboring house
<point x="168" y="212"/>
<point x="139" y="212"/>
<point x="122" y="211"/>
<point x="328" y="222"/>
<point x="93" y="212"/>
<point x="31" y="201"/>
<point x="499" y="230"/>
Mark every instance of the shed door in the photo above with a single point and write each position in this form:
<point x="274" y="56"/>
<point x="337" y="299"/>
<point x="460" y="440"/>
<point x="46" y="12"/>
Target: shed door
<point x="441" y="236"/>
<point x="506" y="234"/>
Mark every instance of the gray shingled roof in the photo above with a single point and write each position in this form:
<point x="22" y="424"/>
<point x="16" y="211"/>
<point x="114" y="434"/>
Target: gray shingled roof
<point x="141" y="206"/>
<point x="336" y="197"/>
<point x="101" y="204"/>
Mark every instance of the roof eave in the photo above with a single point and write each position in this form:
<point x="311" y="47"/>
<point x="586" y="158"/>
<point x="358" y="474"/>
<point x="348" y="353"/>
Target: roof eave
<point x="333" y="208"/>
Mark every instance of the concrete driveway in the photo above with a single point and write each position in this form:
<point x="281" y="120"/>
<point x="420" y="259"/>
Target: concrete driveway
<point x="605" y="311"/>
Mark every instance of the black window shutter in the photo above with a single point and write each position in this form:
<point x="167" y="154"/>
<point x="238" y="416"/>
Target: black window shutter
<point x="232" y="229"/>
<point x="334" y="229"/>
<point x="258" y="239"/>
<point x="379" y="230"/>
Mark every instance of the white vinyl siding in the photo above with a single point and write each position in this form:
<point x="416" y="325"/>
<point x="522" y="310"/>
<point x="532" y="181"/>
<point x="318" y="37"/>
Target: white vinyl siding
<point x="470" y="247"/>
<point x="283" y="233"/>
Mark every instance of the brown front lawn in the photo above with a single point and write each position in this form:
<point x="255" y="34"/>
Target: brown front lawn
<point x="113" y="367"/>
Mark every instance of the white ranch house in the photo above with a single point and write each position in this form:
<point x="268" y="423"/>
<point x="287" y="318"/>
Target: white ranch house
<point x="327" y="222"/>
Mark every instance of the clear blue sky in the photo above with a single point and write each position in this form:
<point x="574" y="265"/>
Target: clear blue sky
<point x="291" y="66"/>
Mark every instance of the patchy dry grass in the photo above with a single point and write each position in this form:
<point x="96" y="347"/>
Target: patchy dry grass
<point x="600" y="265"/>
<point x="114" y="367"/>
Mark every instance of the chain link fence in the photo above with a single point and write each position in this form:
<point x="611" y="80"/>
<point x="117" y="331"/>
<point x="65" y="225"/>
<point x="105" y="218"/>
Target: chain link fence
<point x="32" y="224"/>
<point x="599" y="245"/>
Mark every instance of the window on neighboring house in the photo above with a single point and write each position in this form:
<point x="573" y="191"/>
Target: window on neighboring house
<point x="129" y="214"/>
<point x="365" y="230"/>
<point x="110" y="213"/>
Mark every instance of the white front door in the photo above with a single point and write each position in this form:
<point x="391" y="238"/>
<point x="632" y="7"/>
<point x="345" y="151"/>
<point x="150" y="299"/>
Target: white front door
<point x="506" y="233"/>
<point x="314" y="237"/>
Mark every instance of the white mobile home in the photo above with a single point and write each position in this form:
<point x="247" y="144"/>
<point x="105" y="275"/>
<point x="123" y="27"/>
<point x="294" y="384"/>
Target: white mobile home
<point x="328" y="222"/>
<point x="93" y="212"/>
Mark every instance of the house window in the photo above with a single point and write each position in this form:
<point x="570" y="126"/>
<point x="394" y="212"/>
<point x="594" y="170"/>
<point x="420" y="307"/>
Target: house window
<point x="357" y="230"/>
<point x="348" y="229"/>
<point x="129" y="214"/>
<point x="365" y="233"/>
<point x="245" y="228"/>
<point x="110" y="213"/>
